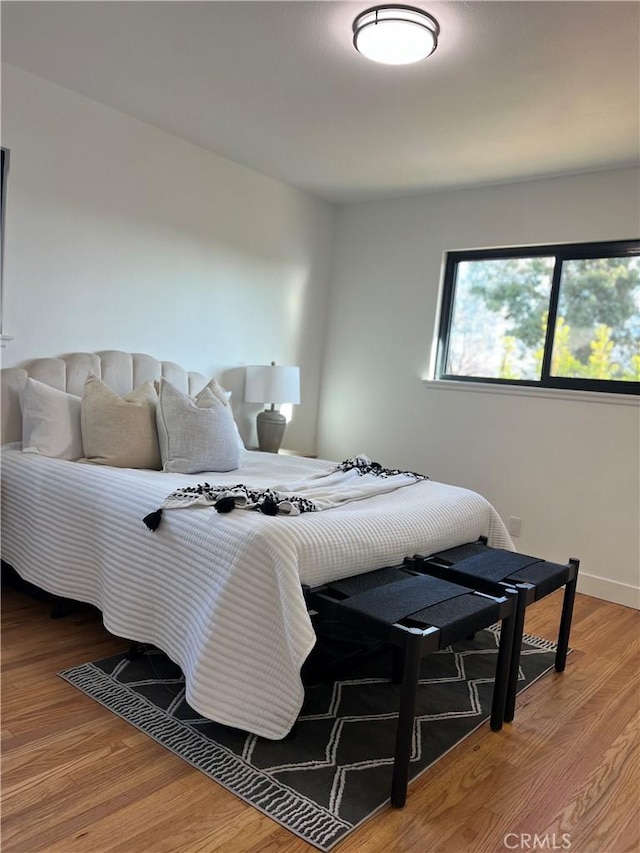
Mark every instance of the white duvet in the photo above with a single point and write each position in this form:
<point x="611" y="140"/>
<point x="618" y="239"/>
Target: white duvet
<point x="219" y="593"/>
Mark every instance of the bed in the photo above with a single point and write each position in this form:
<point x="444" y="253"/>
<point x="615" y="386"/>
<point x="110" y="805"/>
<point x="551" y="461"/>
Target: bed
<point x="221" y="594"/>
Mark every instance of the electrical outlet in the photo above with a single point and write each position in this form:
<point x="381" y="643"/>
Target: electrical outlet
<point x="515" y="526"/>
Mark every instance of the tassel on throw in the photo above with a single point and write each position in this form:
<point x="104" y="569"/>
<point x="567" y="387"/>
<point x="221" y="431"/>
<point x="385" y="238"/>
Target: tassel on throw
<point x="269" y="507"/>
<point x="225" y="504"/>
<point x="153" y="519"/>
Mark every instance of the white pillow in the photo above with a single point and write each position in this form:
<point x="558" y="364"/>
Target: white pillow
<point x="195" y="434"/>
<point x="216" y="388"/>
<point x="50" y="421"/>
<point x="225" y="396"/>
<point x="120" y="431"/>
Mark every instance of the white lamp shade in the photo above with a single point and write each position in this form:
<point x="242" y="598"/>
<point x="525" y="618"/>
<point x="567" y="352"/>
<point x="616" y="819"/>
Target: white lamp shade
<point x="272" y="384"/>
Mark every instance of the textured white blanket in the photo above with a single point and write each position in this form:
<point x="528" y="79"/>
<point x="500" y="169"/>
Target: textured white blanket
<point x="220" y="594"/>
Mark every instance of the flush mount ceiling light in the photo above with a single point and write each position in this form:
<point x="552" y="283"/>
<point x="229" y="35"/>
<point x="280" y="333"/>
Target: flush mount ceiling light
<point x="395" y="35"/>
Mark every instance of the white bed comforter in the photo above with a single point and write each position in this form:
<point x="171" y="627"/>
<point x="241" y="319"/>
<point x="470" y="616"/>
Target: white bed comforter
<point x="220" y="594"/>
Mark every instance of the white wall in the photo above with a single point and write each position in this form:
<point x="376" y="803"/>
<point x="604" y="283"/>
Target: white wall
<point x="569" y="469"/>
<point x="121" y="236"/>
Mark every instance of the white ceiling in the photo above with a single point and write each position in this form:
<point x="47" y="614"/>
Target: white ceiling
<point x="515" y="89"/>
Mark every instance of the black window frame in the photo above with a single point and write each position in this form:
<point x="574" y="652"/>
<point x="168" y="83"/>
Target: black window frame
<point x="562" y="252"/>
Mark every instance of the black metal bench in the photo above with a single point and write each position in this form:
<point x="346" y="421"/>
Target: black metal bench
<point x="491" y="570"/>
<point x="418" y="614"/>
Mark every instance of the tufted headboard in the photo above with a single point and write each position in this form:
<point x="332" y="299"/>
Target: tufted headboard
<point x="121" y="371"/>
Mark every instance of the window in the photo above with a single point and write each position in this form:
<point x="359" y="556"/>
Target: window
<point x="564" y="316"/>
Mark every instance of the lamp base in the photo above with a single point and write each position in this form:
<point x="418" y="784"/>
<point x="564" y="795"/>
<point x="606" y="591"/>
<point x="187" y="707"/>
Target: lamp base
<point x="271" y="426"/>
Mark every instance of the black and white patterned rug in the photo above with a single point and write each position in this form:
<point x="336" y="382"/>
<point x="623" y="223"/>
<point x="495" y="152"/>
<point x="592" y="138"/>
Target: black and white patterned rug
<point x="336" y="771"/>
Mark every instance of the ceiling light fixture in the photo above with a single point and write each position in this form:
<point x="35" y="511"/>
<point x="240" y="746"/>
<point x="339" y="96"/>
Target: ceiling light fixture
<point x="395" y="35"/>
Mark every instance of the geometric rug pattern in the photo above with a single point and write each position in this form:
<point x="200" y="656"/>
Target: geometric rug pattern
<point x="335" y="771"/>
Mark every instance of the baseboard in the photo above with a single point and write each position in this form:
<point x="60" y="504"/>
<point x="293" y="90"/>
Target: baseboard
<point x="608" y="590"/>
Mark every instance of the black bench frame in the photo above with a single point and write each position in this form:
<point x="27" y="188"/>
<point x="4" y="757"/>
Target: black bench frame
<point x="559" y="575"/>
<point x="411" y="640"/>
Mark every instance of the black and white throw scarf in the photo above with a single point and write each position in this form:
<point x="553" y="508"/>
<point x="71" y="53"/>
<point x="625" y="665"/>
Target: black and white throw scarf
<point x="363" y="465"/>
<point x="348" y="481"/>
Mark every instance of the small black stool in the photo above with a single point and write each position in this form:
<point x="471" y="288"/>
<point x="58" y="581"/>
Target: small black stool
<point x="418" y="614"/>
<point x="493" y="569"/>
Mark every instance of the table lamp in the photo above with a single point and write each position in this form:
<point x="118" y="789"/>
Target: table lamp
<point x="272" y="384"/>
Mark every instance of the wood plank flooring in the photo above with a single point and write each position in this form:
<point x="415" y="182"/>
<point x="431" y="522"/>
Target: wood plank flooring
<point x="564" y="775"/>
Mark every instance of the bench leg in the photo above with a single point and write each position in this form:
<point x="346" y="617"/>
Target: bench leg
<point x="565" y="621"/>
<point x="514" y="666"/>
<point x="397" y="666"/>
<point x="505" y="652"/>
<point x="406" y="717"/>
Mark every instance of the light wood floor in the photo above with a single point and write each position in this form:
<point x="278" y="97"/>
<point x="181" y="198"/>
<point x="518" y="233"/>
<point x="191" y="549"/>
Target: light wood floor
<point x="77" y="778"/>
